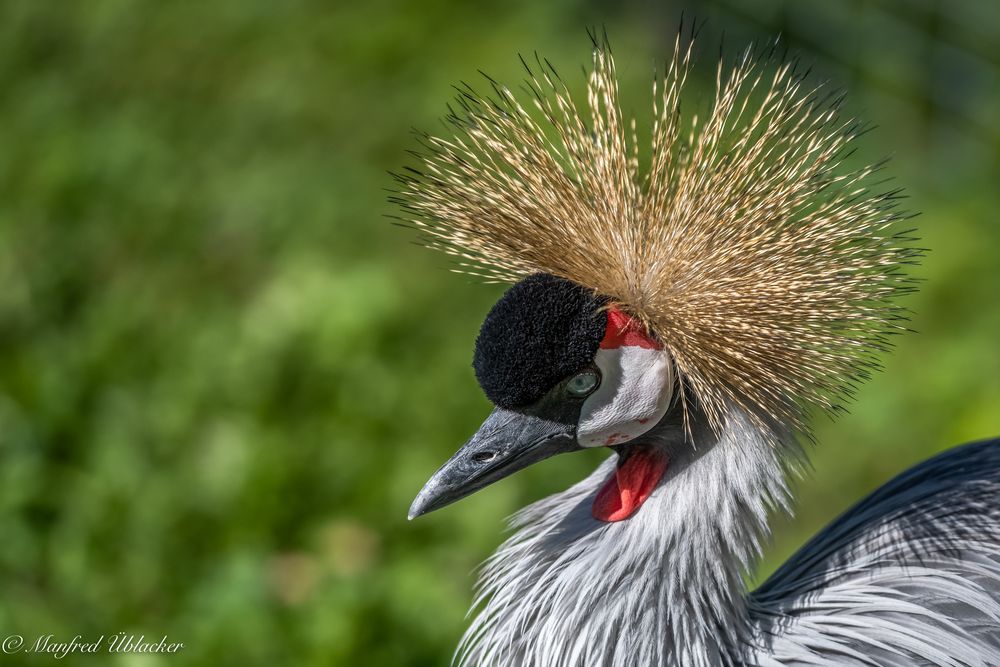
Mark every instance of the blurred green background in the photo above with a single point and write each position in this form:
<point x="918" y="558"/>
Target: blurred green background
<point x="224" y="375"/>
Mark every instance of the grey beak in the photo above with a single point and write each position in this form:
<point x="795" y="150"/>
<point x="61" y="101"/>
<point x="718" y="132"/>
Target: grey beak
<point x="506" y="442"/>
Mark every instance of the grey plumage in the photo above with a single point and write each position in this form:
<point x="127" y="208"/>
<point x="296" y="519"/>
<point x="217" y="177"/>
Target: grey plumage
<point x="910" y="576"/>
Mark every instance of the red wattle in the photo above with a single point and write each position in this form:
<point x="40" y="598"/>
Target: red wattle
<point x="630" y="486"/>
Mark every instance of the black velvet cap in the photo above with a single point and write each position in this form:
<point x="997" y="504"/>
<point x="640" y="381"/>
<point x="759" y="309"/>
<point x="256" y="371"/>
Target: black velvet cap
<point x="542" y="330"/>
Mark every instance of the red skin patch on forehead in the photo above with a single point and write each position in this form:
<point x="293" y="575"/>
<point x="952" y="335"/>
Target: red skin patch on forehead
<point x="626" y="331"/>
<point x="630" y="486"/>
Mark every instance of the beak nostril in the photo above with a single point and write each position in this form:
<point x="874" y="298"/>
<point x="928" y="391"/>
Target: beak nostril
<point x="483" y="457"/>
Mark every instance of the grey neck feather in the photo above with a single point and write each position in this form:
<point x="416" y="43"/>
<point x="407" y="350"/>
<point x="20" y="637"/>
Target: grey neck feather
<point x="567" y="589"/>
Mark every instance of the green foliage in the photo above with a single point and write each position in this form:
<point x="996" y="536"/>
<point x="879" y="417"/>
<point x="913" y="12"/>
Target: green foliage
<point x="224" y="375"/>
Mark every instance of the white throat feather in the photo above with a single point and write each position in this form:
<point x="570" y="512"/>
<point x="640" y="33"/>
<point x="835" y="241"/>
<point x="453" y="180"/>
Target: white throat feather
<point x="674" y="570"/>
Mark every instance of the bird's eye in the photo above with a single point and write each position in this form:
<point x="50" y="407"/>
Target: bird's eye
<point x="583" y="383"/>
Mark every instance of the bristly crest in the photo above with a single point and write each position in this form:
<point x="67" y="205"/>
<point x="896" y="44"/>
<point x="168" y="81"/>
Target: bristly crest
<point x="766" y="267"/>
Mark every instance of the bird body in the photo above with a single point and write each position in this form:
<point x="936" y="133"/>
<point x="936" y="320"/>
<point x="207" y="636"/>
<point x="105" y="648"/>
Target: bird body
<point x="689" y="310"/>
<point x="909" y="576"/>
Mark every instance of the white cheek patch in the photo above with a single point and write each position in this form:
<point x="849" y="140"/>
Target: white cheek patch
<point x="636" y="387"/>
<point x="635" y="392"/>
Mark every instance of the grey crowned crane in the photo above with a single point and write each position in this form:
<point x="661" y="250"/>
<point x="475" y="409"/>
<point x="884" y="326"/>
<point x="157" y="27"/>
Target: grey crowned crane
<point x="689" y="307"/>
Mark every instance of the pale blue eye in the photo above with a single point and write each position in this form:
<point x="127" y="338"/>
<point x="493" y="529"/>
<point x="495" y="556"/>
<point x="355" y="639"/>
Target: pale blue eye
<point x="583" y="383"/>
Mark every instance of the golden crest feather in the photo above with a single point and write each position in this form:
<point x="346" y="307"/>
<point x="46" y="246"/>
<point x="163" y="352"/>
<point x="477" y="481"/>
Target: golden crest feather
<point x="766" y="267"/>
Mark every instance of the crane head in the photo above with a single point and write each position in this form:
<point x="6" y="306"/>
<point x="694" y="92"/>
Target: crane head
<point x="735" y="262"/>
<point x="566" y="369"/>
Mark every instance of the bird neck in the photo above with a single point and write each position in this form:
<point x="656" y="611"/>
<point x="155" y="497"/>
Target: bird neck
<point x="664" y="587"/>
